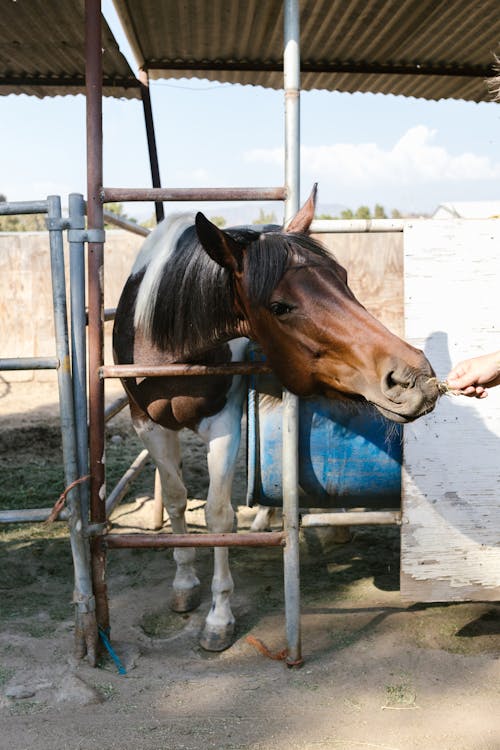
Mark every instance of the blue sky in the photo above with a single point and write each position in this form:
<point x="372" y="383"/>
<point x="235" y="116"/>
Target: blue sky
<point x="362" y="148"/>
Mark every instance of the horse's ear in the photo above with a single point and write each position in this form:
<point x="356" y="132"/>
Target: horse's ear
<point x="219" y="245"/>
<point x="302" y="220"/>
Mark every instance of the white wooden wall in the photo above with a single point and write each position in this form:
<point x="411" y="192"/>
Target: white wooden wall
<point x="451" y="475"/>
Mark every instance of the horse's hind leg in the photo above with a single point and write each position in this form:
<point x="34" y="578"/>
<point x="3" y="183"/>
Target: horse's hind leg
<point x="163" y="446"/>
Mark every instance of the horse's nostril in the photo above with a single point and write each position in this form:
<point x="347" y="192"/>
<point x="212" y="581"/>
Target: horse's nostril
<point x="394" y="381"/>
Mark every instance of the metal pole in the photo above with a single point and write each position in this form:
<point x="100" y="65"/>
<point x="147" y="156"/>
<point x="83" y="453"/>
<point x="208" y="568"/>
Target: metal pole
<point x="112" y="195"/>
<point x="23" y="207"/>
<point x="29" y="363"/>
<point x="150" y="132"/>
<point x="163" y="541"/>
<point x="79" y="341"/>
<point x="93" y="79"/>
<point x="291" y="71"/>
<point x="83" y="594"/>
<point x="290" y="402"/>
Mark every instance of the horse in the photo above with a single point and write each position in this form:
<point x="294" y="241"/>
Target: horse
<point x="196" y="294"/>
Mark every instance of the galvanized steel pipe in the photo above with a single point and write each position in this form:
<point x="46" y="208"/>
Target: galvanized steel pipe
<point x="29" y="363"/>
<point x="79" y="343"/>
<point x="79" y="545"/>
<point x="291" y="71"/>
<point x="9" y="208"/>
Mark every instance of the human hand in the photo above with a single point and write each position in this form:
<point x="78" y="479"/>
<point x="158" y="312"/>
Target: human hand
<point x="471" y="376"/>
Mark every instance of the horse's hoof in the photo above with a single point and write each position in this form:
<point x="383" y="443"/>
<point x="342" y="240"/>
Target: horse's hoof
<point x="217" y="640"/>
<point x="185" y="600"/>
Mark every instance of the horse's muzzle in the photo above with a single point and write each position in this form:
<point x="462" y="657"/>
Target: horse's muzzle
<point x="408" y="393"/>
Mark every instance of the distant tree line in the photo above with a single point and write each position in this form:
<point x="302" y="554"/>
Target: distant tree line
<point x="363" y="212"/>
<point x="36" y="222"/>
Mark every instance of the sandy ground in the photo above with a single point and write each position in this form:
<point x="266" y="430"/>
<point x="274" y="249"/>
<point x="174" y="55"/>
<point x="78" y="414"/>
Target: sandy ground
<point x="377" y="674"/>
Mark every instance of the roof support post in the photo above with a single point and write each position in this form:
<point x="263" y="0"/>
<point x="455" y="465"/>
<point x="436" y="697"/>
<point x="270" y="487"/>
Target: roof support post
<point x="95" y="221"/>
<point x="290" y="402"/>
<point x="291" y="71"/>
<point x="150" y="132"/>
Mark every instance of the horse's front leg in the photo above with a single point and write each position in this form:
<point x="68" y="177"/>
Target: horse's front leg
<point x="222" y="434"/>
<point x="163" y="446"/>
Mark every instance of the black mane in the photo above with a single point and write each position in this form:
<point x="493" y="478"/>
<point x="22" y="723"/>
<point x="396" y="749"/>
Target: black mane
<point x="194" y="304"/>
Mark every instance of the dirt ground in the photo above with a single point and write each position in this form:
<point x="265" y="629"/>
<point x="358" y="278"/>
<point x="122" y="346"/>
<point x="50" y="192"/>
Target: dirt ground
<point x="378" y="673"/>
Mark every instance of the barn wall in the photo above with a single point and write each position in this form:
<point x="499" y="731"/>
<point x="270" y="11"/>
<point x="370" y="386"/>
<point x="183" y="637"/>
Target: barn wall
<point x="26" y="319"/>
<point x="374" y="264"/>
<point x="26" y="326"/>
<point x="451" y="478"/>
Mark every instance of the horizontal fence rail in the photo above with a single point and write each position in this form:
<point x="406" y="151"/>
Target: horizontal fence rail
<point x="352" y="518"/>
<point x="118" y="195"/>
<point x="23" y="207"/>
<point x="156" y="371"/>
<point x="123" y="223"/>
<point x="31" y="515"/>
<point x="231" y="539"/>
<point x="346" y="226"/>
<point x="29" y="363"/>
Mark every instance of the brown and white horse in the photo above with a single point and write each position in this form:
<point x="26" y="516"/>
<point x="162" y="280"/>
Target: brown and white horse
<point x="195" y="294"/>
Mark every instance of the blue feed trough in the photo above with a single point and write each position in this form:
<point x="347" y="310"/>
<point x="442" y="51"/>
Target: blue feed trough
<point x="349" y="455"/>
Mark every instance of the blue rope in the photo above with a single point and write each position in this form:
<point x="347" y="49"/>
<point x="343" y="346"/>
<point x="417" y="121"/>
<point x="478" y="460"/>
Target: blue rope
<point x="109" y="648"/>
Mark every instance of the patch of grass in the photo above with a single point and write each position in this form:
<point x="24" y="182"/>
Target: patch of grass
<point x="341" y="639"/>
<point x="400" y="695"/>
<point x="24" y="707"/>
<point x="162" y="624"/>
<point x="5" y="674"/>
<point x="107" y="691"/>
<point x="30" y="486"/>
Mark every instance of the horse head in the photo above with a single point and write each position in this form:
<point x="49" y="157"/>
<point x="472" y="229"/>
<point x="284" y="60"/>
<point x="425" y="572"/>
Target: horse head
<point x="292" y="297"/>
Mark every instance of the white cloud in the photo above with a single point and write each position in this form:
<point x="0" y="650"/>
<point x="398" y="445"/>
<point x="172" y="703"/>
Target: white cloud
<point x="413" y="159"/>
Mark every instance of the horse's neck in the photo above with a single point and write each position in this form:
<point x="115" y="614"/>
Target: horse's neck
<point x="240" y="329"/>
<point x="213" y="350"/>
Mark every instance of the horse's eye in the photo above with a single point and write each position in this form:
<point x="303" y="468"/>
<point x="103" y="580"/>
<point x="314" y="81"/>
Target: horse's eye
<point x="280" y="308"/>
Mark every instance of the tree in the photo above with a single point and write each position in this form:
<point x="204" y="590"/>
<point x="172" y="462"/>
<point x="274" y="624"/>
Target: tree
<point x="363" y="212"/>
<point x="379" y="212"/>
<point x="395" y="214"/>
<point x="346" y="214"/>
<point x="264" y="218"/>
<point x="117" y="209"/>
<point x="325" y="216"/>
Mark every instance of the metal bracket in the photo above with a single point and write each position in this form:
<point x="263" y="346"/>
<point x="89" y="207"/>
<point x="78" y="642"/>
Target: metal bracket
<point x="56" y="223"/>
<point x="86" y="235"/>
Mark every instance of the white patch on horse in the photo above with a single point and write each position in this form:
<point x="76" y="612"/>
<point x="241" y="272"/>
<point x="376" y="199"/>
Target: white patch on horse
<point x="153" y="256"/>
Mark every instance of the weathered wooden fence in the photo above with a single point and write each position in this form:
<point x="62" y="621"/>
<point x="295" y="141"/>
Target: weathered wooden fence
<point x="374" y="263"/>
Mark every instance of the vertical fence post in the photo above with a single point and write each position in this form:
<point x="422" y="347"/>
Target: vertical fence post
<point x="291" y="72"/>
<point x="83" y="594"/>
<point x="95" y="221"/>
<point x="79" y="341"/>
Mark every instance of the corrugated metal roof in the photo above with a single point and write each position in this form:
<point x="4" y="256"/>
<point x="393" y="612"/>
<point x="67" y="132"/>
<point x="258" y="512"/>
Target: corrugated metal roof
<point x="432" y="49"/>
<point x="42" y="51"/>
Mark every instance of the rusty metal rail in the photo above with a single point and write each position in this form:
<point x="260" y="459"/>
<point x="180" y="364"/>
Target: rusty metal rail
<point x="230" y="539"/>
<point x="118" y="195"/>
<point x="155" y="371"/>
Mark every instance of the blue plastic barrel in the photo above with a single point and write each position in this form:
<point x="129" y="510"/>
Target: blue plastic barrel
<point x="349" y="455"/>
